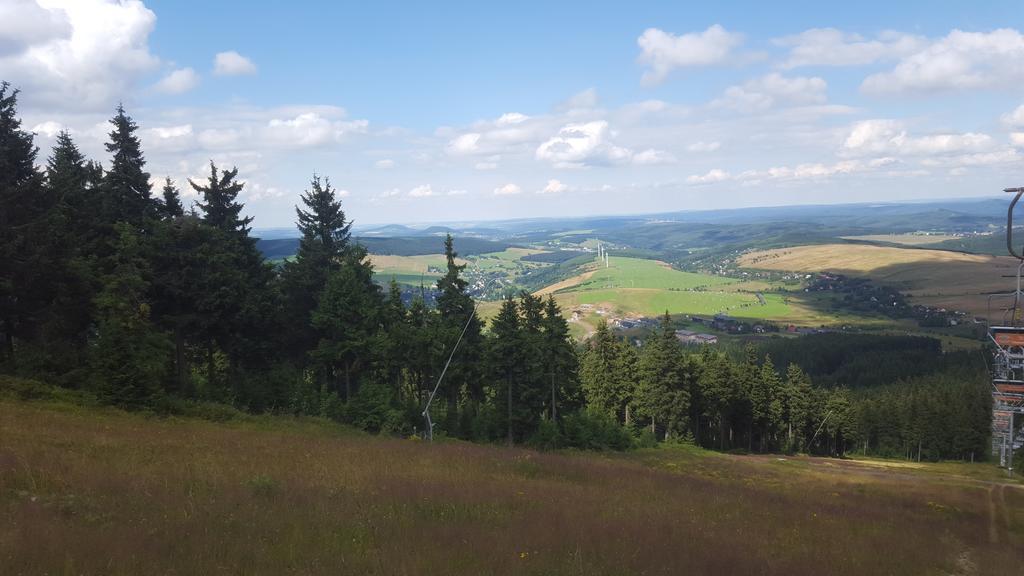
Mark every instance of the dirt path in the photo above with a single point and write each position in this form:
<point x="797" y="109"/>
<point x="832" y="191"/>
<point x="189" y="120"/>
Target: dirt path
<point x="567" y="283"/>
<point x="993" y="514"/>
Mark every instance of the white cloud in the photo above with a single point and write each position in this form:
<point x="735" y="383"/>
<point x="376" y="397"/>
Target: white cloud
<point x="258" y="191"/>
<point x="76" y="54"/>
<point x="714" y="175"/>
<point x="890" y="137"/>
<point x="309" y="129"/>
<point x="463" y="144"/>
<point x="457" y="193"/>
<point x="651" y="157"/>
<point x="507" y="190"/>
<point x="553" y="187"/>
<point x="342" y="193"/>
<point x="25" y="23"/>
<point x="1014" y="119"/>
<point x="831" y="47"/>
<point x="421" y="191"/>
<point x="1017" y="139"/>
<point x="178" y="82"/>
<point x="50" y="129"/>
<point x="175" y="138"/>
<point x="232" y="63"/>
<point x="511" y="118"/>
<point x="704" y="146"/>
<point x="813" y="171"/>
<point x="959" y="61"/>
<point x="664" y="51"/>
<point x="993" y="158"/>
<point x="384" y="164"/>
<point x="582" y="144"/>
<point x="773" y="90"/>
<point x="219" y="138"/>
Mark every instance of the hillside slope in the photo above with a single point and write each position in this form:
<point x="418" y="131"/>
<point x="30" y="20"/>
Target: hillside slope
<point x="91" y="491"/>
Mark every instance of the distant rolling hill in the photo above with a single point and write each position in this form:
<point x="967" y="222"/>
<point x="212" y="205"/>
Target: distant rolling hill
<point x="281" y="248"/>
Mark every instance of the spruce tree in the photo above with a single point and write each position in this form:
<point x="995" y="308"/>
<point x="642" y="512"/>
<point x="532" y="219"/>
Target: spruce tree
<point x="127" y="191"/>
<point x="172" y="207"/>
<point x="716" y="391"/>
<point x="604" y="376"/>
<point x="129" y="358"/>
<point x="219" y="201"/>
<point x="505" y="358"/>
<point x="243" y="305"/>
<point x="766" y="403"/>
<point x="326" y="232"/>
<point x="663" y="393"/>
<point x="324" y="243"/>
<point x="72" y="238"/>
<point x="457" y="310"/>
<point x="796" y="406"/>
<point x="24" y="211"/>
<point x="348" y="320"/>
<point x="560" y="362"/>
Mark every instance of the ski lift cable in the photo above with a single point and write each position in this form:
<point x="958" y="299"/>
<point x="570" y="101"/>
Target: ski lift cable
<point x="433" y="393"/>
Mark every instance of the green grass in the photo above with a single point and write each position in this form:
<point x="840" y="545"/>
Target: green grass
<point x="641" y="273"/>
<point x="99" y="491"/>
<point x="427" y="280"/>
<point x="649" y="288"/>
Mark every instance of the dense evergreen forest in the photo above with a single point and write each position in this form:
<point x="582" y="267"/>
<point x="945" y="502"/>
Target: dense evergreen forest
<point x="117" y="289"/>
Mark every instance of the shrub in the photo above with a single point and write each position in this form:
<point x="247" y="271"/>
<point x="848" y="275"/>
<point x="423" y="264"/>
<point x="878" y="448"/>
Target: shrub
<point x="27" y="389"/>
<point x="371" y="408"/>
<point x="547" y="436"/>
<point x="593" y="430"/>
<point x="646" y="439"/>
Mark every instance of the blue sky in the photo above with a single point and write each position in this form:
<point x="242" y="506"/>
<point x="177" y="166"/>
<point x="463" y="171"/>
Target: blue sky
<point x="471" y="111"/>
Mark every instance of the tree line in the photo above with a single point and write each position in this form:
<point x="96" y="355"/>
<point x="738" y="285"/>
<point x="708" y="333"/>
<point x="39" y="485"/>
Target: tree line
<point x="751" y="404"/>
<point x="110" y="286"/>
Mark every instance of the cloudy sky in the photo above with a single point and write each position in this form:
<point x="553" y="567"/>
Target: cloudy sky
<point x="435" y="111"/>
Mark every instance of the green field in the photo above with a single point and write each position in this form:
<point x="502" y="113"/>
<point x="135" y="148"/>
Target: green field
<point x="99" y="491"/>
<point x="654" y="302"/>
<point x="637" y="286"/>
<point x="640" y="273"/>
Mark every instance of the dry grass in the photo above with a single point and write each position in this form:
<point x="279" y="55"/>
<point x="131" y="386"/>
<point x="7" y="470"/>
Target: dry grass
<point x="103" y="492"/>
<point x="564" y="284"/>
<point x="905" y="239"/>
<point x="391" y="264"/>
<point x="932" y="277"/>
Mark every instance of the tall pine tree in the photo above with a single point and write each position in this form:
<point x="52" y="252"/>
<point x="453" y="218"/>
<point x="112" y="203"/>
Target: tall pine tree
<point x="172" y="207"/>
<point x="219" y="201"/>
<point x="127" y="191"/>
<point x="457" y="309"/>
<point x="324" y="244"/>
<point x="24" y="211"/>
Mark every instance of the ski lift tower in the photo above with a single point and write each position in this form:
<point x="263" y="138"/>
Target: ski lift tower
<point x="1008" y="365"/>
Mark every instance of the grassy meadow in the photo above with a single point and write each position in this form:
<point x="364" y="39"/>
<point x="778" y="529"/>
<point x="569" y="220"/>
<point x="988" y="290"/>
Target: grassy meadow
<point x="930" y="277"/>
<point x="642" y="287"/>
<point x="99" y="491"/>
<point x="411" y="270"/>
